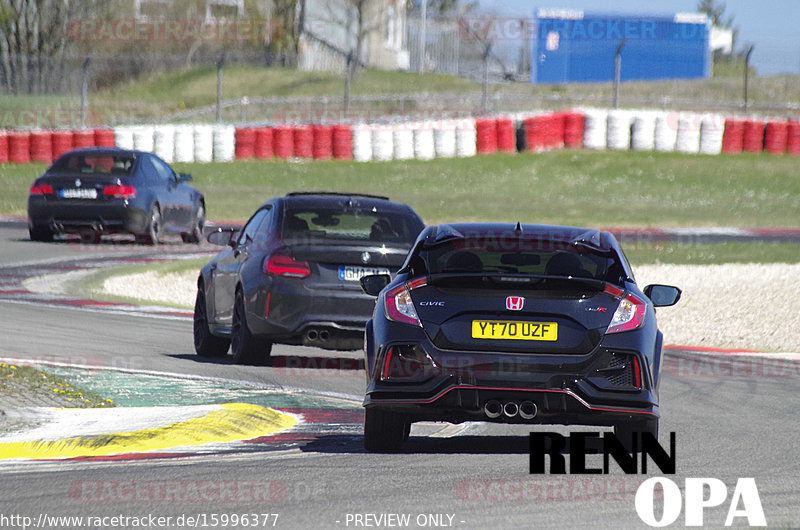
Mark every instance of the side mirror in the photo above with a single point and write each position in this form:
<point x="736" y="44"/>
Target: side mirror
<point x="184" y="177"/>
<point x="662" y="295"/>
<point x="373" y="284"/>
<point x="223" y="237"/>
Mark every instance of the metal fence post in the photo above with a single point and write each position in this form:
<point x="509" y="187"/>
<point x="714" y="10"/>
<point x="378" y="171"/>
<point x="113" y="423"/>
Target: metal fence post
<point x="84" y="90"/>
<point x="220" y="63"/>
<point x="617" y="71"/>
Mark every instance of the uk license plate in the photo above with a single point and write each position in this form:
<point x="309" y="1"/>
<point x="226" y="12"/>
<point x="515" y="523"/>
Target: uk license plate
<point x="514" y="330"/>
<point x="352" y="273"/>
<point x="79" y="193"/>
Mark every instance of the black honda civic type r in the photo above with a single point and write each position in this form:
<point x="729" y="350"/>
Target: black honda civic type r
<point x="512" y="323"/>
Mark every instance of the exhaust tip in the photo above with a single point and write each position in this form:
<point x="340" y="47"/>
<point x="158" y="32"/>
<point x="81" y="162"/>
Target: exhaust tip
<point x="528" y="410"/>
<point x="324" y="335"/>
<point x="312" y="334"/>
<point x="510" y="409"/>
<point x="492" y="409"/>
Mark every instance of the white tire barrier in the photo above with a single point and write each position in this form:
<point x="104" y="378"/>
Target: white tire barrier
<point x="712" y="127"/>
<point x="595" y="129"/>
<point x="224" y="146"/>
<point x="465" y="137"/>
<point x="423" y="141"/>
<point x="688" y="140"/>
<point x="382" y="142"/>
<point x="619" y="129"/>
<point x="164" y="142"/>
<point x="444" y="139"/>
<point x="643" y="131"/>
<point x="184" y="143"/>
<point x="203" y="143"/>
<point x="403" y="138"/>
<point x="362" y="143"/>
<point x="123" y="137"/>
<point x="666" y="132"/>
<point x="144" y="138"/>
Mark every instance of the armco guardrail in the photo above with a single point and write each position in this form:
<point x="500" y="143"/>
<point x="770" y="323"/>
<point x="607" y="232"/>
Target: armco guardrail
<point x="640" y="130"/>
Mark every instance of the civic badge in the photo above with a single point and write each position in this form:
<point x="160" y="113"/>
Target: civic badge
<point x="365" y="257"/>
<point x="515" y="303"/>
<point x="77" y="183"/>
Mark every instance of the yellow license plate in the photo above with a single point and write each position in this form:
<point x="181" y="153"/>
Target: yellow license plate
<point x="514" y="330"/>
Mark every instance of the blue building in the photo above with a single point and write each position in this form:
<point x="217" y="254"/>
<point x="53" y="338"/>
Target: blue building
<point x="573" y="46"/>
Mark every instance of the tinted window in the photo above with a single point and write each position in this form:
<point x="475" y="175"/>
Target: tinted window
<point x="348" y="225"/>
<point x="95" y="164"/>
<point x="163" y="171"/>
<point x="518" y="256"/>
<point x="254" y="226"/>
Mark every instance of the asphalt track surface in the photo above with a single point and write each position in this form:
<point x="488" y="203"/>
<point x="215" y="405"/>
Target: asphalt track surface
<point x="733" y="417"/>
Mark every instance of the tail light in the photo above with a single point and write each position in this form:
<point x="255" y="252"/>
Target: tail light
<point x="41" y="189"/>
<point x="629" y="315"/>
<point x="407" y="362"/>
<point x="120" y="191"/>
<point x="400" y="307"/>
<point x="286" y="266"/>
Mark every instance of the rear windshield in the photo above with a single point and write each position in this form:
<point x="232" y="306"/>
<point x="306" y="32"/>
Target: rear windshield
<point x="93" y="164"/>
<point x="349" y="225"/>
<point x="526" y="257"/>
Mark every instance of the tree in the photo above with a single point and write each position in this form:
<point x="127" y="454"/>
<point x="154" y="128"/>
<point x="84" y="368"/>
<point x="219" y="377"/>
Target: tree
<point x="715" y="9"/>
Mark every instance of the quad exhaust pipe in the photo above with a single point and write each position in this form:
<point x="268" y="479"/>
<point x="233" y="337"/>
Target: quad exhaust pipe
<point x="526" y="410"/>
<point x="322" y="335"/>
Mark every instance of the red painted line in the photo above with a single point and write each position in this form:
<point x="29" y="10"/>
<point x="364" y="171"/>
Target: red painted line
<point x="707" y="349"/>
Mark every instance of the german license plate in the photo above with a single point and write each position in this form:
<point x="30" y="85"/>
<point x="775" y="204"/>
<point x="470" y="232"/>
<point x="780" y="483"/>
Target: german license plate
<point x="79" y="193"/>
<point x="353" y="274"/>
<point x="514" y="330"/>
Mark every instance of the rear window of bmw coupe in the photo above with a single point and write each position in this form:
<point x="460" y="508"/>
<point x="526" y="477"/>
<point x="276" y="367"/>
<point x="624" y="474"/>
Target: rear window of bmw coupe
<point x="332" y="224"/>
<point x="94" y="164"/>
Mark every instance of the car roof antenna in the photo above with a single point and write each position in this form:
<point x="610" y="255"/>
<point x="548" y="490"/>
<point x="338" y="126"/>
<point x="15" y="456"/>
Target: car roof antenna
<point x="518" y="228"/>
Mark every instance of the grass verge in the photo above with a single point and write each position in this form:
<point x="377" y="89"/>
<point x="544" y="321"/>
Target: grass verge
<point x="29" y="380"/>
<point x="582" y="188"/>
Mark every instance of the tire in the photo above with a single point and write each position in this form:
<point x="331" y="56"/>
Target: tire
<point x="625" y="432"/>
<point x="384" y="431"/>
<point x="40" y="233"/>
<point x="246" y="348"/>
<point x="196" y="235"/>
<point x="154" y="228"/>
<point x="206" y="344"/>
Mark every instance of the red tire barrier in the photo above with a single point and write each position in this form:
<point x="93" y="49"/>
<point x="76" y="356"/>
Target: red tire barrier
<point x="303" y="141"/>
<point x="102" y="137"/>
<point x="323" y="142"/>
<point x="19" y="147"/>
<point x="283" y="141"/>
<point x="62" y="142"/>
<point x="41" y="146"/>
<point x="753" y="136"/>
<point x="537" y="132"/>
<point x="3" y="146"/>
<point x="342" y="142"/>
<point x="506" y="135"/>
<point x="263" y="148"/>
<point x="573" y="129"/>
<point x="485" y="136"/>
<point x="83" y="138"/>
<point x="793" y="138"/>
<point x="245" y="143"/>
<point x="733" y="137"/>
<point x="776" y="137"/>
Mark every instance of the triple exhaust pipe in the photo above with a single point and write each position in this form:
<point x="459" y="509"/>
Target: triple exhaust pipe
<point x="526" y="410"/>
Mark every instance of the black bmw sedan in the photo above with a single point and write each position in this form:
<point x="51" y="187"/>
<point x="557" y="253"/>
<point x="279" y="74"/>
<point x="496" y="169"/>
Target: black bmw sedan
<point x="516" y="324"/>
<point x="291" y="275"/>
<point x="101" y="190"/>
